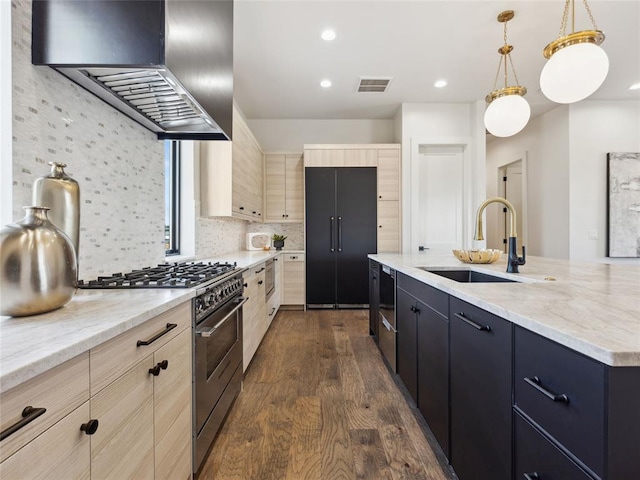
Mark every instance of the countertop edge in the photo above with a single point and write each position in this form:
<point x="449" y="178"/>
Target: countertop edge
<point x="37" y="366"/>
<point x="584" y="347"/>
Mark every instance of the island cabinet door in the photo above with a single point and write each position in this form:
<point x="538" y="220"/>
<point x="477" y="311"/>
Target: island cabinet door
<point x="374" y="298"/>
<point x="406" y="343"/>
<point x="433" y="372"/>
<point x="481" y="377"/>
<point x="537" y="458"/>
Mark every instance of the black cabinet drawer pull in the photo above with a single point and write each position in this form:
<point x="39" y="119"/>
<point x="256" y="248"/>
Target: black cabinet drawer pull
<point x="537" y="384"/>
<point x="260" y="282"/>
<point x="168" y="328"/>
<point x="532" y="476"/>
<point x="155" y="371"/>
<point x="273" y="309"/>
<point x="164" y="364"/>
<point x="90" y="427"/>
<point x="482" y="328"/>
<point x="29" y="414"/>
<point x="262" y="269"/>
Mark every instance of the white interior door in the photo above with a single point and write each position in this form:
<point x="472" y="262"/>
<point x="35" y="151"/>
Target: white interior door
<point x="437" y="199"/>
<point x="513" y="192"/>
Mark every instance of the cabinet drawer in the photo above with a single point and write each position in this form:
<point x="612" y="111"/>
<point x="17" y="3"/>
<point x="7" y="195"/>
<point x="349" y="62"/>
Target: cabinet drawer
<point x="536" y="455"/>
<point x="113" y="358"/>
<point x="59" y="390"/>
<point x="481" y="373"/>
<point x="62" y="452"/>
<point x="567" y="402"/>
<point x="293" y="257"/>
<point x="434" y="298"/>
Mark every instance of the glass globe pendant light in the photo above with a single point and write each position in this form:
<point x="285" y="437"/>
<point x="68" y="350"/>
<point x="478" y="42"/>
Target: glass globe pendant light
<point x="577" y="65"/>
<point x="508" y="112"/>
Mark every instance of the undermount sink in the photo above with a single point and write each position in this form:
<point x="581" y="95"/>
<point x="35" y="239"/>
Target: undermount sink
<point x="468" y="276"/>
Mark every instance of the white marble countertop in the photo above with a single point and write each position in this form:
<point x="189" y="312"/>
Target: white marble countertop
<point x="591" y="308"/>
<point x="32" y="345"/>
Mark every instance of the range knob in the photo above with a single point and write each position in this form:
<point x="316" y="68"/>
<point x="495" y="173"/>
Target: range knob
<point x="199" y="305"/>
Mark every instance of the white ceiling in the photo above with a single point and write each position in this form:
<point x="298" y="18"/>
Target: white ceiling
<point x="279" y="57"/>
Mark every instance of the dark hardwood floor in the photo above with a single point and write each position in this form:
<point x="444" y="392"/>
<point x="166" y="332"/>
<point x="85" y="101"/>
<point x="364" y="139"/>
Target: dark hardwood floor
<point x="319" y="403"/>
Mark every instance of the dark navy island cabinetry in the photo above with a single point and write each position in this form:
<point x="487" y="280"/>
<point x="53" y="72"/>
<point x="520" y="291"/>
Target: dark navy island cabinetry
<point x="374" y="298"/>
<point x="481" y="350"/>
<point x="423" y="351"/>
<point x="504" y="402"/>
<point x="586" y="413"/>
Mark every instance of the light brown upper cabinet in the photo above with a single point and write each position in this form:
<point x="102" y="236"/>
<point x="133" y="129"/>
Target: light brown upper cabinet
<point x="389" y="224"/>
<point x="283" y="188"/>
<point x="231" y="175"/>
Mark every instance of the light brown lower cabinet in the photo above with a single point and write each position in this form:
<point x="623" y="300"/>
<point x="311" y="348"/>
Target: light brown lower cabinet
<point x="145" y="418"/>
<point x="61" y="452"/>
<point x="144" y="413"/>
<point x="254" y="312"/>
<point x="172" y="409"/>
<point x="293" y="292"/>
<point x="122" y="447"/>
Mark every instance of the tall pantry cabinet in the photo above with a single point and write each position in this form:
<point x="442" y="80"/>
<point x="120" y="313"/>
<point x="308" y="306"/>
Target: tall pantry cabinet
<point x="364" y="179"/>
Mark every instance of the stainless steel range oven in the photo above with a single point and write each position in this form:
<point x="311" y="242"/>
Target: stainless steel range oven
<point x="218" y="358"/>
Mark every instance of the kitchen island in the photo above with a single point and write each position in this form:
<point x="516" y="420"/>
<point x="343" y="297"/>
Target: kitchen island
<point x="534" y="378"/>
<point x="591" y="308"/>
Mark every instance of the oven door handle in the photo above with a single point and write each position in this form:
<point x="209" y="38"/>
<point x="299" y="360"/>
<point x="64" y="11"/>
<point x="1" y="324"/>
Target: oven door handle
<point x="208" y="333"/>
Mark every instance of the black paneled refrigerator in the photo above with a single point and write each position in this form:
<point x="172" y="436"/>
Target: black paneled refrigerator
<point x="341" y="217"/>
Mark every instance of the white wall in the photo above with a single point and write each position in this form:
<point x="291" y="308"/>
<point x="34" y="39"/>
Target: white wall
<point x="567" y="156"/>
<point x="546" y="143"/>
<point x="442" y="124"/>
<point x="596" y="128"/>
<point x="276" y="135"/>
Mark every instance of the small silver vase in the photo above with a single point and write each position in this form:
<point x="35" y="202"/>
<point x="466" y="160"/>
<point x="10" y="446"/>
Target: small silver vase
<point x="38" y="267"/>
<point x="61" y="194"/>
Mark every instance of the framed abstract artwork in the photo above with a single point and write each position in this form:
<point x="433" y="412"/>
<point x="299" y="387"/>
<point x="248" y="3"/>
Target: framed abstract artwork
<point x="623" y="198"/>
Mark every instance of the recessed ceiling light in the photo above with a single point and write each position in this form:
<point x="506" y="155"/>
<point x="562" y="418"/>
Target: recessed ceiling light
<point x="440" y="83"/>
<point x="325" y="83"/>
<point x="635" y="86"/>
<point x="328" y="35"/>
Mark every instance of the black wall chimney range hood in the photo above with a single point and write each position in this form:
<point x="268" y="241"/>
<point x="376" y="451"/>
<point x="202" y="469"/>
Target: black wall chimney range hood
<point x="167" y="64"/>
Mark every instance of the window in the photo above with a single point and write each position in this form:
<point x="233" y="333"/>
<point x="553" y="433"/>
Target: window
<point x="172" y="197"/>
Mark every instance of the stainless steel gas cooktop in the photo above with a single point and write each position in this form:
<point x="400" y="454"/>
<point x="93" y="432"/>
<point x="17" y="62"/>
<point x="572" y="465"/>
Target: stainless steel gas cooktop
<point x="165" y="275"/>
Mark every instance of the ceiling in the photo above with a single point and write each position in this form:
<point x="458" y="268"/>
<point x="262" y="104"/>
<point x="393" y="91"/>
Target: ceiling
<point x="280" y="59"/>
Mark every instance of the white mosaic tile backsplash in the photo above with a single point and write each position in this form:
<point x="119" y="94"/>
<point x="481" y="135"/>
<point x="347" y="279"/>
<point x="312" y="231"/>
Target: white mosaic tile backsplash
<point x="118" y="164"/>
<point x="293" y="231"/>
<point x="217" y="236"/>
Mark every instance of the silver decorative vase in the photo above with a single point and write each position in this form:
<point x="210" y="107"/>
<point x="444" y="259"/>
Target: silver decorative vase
<point x="38" y="268"/>
<point x="61" y="194"/>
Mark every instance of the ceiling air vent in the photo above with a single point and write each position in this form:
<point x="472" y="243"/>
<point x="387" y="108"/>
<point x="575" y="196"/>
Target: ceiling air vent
<point x="377" y="85"/>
